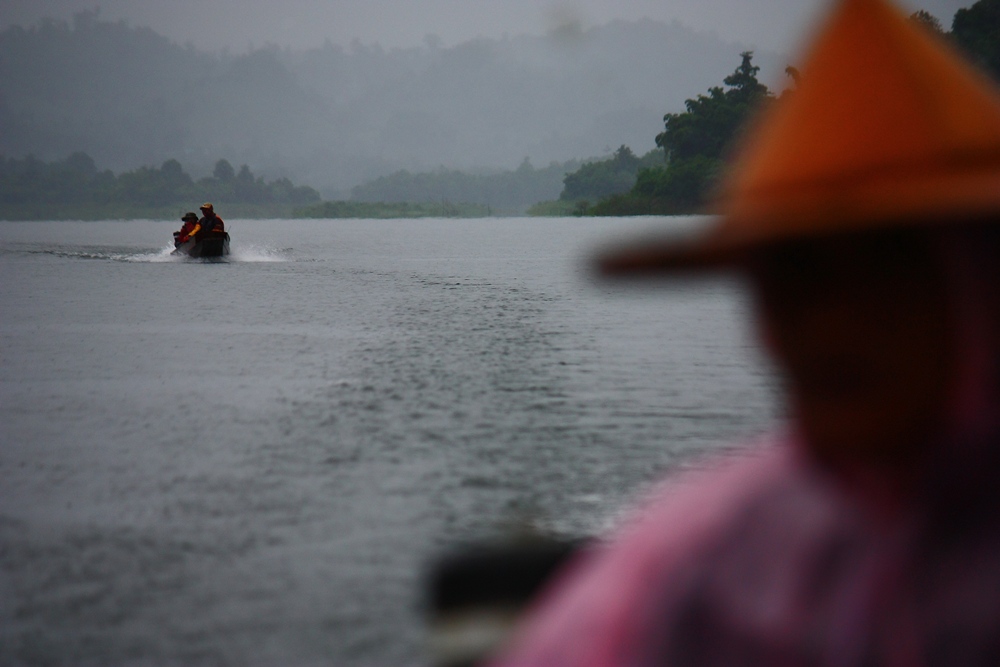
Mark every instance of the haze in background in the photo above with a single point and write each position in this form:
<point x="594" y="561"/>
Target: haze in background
<point x="334" y="94"/>
<point x="240" y="24"/>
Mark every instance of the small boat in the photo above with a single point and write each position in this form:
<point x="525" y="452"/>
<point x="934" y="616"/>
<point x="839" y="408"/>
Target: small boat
<point x="210" y="245"/>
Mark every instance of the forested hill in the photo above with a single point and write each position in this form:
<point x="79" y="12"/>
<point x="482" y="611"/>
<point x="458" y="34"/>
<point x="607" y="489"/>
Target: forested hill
<point x="335" y="117"/>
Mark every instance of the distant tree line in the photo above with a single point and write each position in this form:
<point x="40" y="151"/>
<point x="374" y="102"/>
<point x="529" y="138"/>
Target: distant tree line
<point x="391" y="210"/>
<point x="330" y="115"/>
<point x="599" y="179"/>
<point x="976" y="31"/>
<point x="503" y="192"/>
<point x="677" y="178"/>
<point x="695" y="142"/>
<point x="335" y="115"/>
<point x="75" y="187"/>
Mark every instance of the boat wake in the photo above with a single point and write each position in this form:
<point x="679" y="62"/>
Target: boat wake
<point x="258" y="253"/>
<point x="245" y="253"/>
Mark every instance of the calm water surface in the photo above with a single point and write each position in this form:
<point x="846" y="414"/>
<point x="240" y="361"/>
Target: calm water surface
<point x="251" y="462"/>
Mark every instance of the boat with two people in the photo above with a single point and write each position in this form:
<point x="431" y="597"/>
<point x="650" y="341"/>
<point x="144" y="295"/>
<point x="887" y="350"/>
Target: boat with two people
<point x="202" y="237"/>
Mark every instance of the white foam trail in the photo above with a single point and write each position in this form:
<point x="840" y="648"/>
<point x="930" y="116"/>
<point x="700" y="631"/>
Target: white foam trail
<point x="163" y="255"/>
<point x="248" y="253"/>
<point x="256" y="253"/>
<point x="241" y="253"/>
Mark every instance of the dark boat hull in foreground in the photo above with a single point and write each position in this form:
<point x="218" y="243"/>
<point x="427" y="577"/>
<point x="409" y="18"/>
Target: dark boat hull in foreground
<point x="216" y="245"/>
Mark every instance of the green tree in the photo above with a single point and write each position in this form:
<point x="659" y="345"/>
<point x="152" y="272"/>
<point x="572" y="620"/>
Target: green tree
<point x="696" y="142"/>
<point x="977" y="31"/>
<point x="603" y="178"/>
<point x="927" y="20"/>
<point x="744" y="88"/>
<point x="74" y="187"/>
<point x="247" y="188"/>
<point x="74" y="180"/>
<point x="283" y="191"/>
<point x="173" y="177"/>
<point x="711" y="121"/>
<point x="682" y="184"/>
<point x="224" y="171"/>
<point x="149" y="186"/>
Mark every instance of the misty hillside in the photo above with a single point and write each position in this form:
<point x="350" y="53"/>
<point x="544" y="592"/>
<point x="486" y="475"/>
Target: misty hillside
<point x="335" y="117"/>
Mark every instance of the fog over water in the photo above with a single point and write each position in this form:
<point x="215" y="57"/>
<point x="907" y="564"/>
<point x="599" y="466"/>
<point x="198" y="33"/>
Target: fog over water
<point x="253" y="461"/>
<point x="335" y="94"/>
<point x="333" y="117"/>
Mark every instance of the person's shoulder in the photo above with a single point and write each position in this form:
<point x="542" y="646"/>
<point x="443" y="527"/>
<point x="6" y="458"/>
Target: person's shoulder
<point x="707" y="490"/>
<point x="690" y="510"/>
<point x="603" y="602"/>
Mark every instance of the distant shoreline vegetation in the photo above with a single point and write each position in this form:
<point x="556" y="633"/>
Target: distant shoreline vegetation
<point x="676" y="178"/>
<point x="696" y="143"/>
<point x="391" y="210"/>
<point x="74" y="189"/>
<point x="501" y="192"/>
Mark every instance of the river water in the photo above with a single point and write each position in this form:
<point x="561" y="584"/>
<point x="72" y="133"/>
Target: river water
<point x="253" y="461"/>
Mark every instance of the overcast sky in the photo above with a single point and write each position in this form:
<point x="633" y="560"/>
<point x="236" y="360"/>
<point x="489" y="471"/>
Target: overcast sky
<point x="239" y="24"/>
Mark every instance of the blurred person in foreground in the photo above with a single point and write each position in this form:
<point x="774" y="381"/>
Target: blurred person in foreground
<point x="864" y="213"/>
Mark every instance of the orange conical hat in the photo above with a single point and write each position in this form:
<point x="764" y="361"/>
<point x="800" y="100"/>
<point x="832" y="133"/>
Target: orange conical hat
<point x="888" y="126"/>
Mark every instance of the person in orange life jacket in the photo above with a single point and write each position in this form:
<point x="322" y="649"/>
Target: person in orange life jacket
<point x="209" y="222"/>
<point x="188" y="229"/>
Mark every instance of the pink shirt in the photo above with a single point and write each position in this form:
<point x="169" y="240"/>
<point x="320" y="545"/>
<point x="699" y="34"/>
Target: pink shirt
<point x="765" y="559"/>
